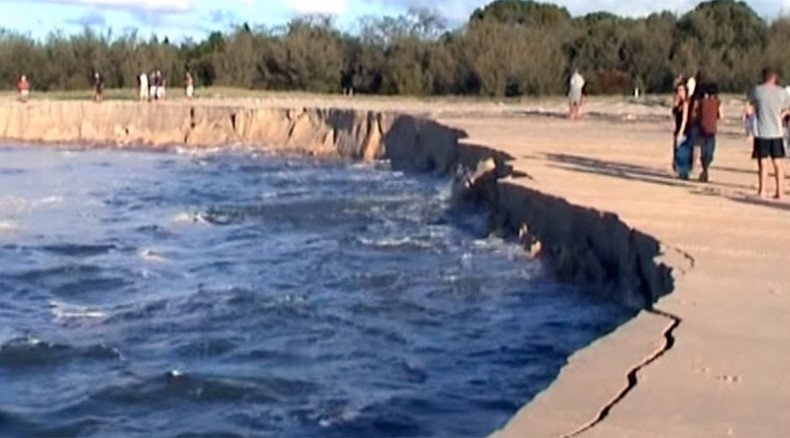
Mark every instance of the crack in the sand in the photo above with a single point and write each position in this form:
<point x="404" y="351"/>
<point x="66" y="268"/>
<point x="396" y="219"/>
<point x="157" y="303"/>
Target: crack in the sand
<point x="633" y="374"/>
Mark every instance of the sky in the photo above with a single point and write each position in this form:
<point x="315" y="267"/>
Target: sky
<point x="184" y="19"/>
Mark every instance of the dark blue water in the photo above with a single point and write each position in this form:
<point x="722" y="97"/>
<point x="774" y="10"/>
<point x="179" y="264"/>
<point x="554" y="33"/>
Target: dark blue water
<point x="163" y="294"/>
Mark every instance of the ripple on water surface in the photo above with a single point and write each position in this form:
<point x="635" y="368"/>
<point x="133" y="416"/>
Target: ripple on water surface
<point x="241" y="294"/>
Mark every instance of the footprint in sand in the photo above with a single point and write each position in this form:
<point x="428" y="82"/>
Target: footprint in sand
<point x="729" y="379"/>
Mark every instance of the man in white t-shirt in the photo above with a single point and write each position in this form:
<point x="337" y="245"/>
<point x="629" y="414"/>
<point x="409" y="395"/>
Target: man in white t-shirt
<point x="142" y="80"/>
<point x="576" y="95"/>
<point x="769" y="103"/>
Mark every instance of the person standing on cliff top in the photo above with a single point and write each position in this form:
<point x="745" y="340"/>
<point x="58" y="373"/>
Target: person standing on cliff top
<point x="769" y="103"/>
<point x="189" y="84"/>
<point x="142" y="81"/>
<point x="160" y="86"/>
<point x="98" y="87"/>
<point x="152" y="86"/>
<point x="23" y="88"/>
<point x="576" y="95"/>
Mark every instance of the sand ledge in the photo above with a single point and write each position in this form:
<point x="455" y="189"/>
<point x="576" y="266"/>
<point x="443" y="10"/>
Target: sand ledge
<point x="583" y="245"/>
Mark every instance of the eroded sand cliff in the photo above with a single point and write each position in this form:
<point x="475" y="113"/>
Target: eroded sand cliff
<point x="583" y="245"/>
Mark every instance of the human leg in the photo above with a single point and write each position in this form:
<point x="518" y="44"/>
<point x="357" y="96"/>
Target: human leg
<point x="780" y="177"/>
<point x="760" y="152"/>
<point x="777" y="151"/>
<point x="762" y="177"/>
<point x="708" y="150"/>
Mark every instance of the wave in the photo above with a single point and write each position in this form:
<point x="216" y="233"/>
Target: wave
<point x="200" y="152"/>
<point x="15" y="205"/>
<point x="152" y="256"/>
<point x="191" y="218"/>
<point x="179" y="385"/>
<point x="24" y="353"/>
<point x="63" y="312"/>
<point x="79" y="250"/>
<point x="397" y="243"/>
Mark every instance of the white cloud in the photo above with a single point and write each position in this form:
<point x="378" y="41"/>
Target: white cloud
<point x="333" y="7"/>
<point x="139" y="5"/>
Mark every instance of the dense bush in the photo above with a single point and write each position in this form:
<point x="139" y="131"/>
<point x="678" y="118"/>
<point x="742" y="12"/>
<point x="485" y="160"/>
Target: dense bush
<point x="508" y="48"/>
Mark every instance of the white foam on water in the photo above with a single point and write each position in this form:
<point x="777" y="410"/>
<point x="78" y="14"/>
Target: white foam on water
<point x="394" y="242"/>
<point x="199" y="152"/>
<point x="152" y="256"/>
<point x="66" y="312"/>
<point x="189" y="218"/>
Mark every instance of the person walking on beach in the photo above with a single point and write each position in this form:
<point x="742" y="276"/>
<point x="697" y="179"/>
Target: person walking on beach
<point x="23" y="88"/>
<point x="142" y="81"/>
<point x="98" y="87"/>
<point x="576" y="95"/>
<point x="710" y="111"/>
<point x="769" y="103"/>
<point x="160" y="86"/>
<point x="189" y="83"/>
<point x="680" y="115"/>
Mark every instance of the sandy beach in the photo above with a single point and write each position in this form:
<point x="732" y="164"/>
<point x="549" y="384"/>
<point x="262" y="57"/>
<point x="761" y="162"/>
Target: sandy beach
<point x="711" y="360"/>
<point x="723" y="375"/>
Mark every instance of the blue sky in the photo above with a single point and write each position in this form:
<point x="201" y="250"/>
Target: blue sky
<point x="180" y="19"/>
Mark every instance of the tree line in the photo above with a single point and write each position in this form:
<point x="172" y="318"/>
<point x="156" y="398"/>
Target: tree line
<point x="507" y="48"/>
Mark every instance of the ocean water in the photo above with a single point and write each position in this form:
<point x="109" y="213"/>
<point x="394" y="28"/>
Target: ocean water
<point x="244" y="294"/>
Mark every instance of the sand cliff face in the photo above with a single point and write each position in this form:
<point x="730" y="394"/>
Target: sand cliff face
<point x="584" y="246"/>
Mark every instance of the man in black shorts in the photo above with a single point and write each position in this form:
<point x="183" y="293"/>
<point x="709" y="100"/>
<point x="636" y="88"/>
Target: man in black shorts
<point x="770" y="103"/>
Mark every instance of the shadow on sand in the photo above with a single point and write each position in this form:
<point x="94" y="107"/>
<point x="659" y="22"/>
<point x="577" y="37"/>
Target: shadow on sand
<point x="631" y="172"/>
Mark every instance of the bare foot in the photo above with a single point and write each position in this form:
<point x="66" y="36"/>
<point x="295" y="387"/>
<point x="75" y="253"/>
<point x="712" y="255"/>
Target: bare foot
<point x="779" y="196"/>
<point x="762" y="195"/>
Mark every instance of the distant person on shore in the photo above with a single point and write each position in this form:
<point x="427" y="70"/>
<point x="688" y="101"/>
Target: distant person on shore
<point x="710" y="111"/>
<point x="160" y="86"/>
<point x="347" y="83"/>
<point x="769" y="103"/>
<point x="23" y="88"/>
<point x="153" y="80"/>
<point x="142" y="81"/>
<point x="680" y="115"/>
<point x="98" y="87"/>
<point x="576" y="95"/>
<point x="189" y="83"/>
